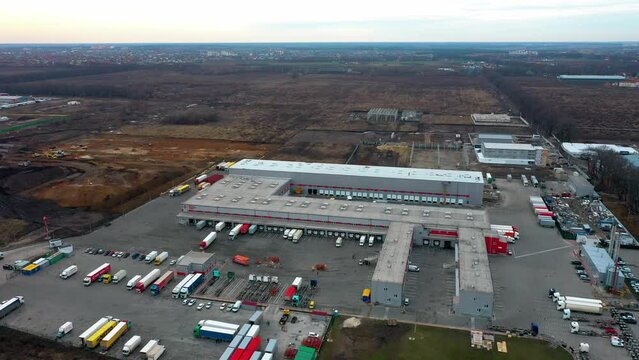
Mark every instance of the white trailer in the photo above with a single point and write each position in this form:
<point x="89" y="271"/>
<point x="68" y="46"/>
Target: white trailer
<point x="147" y="280"/>
<point x="219" y="226"/>
<point x="176" y="290"/>
<point x="119" y="276"/>
<point x="580" y="307"/>
<point x="208" y="240"/>
<point x="297" y="282"/>
<point x="218" y="324"/>
<point x="149" y="345"/>
<point x="286" y="232"/>
<point x="580" y="299"/>
<point x="65" y="329"/>
<point x="150" y="256"/>
<point x="235" y="231"/>
<point x="68" y="272"/>
<point x="160" y="258"/>
<point x="92" y="329"/>
<point x="131" y="284"/>
<point x="155" y="352"/>
<point x="297" y="235"/>
<point x="200" y="224"/>
<point x="131" y="345"/>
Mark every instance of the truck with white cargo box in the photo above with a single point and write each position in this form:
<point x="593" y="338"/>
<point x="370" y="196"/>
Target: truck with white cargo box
<point x="236" y="307"/>
<point x="256" y="318"/>
<point x="219" y="324"/>
<point x="64" y="329"/>
<point x="10" y="305"/>
<point x="92" y="329"/>
<point x="175" y="293"/>
<point x="147" y="280"/>
<point x="149" y="345"/>
<point x="219" y="226"/>
<point x="200" y="224"/>
<point x="208" y="240"/>
<point x="371" y="240"/>
<point x="68" y="272"/>
<point x="297" y="235"/>
<point x="362" y="240"/>
<point x="131" y="345"/>
<point x="297" y="282"/>
<point x="190" y="286"/>
<point x="119" y="276"/>
<point x="155" y="352"/>
<point x="252" y="229"/>
<point x="338" y="242"/>
<point x="286" y="232"/>
<point x="150" y="256"/>
<point x="131" y="284"/>
<point x="235" y="231"/>
<point x="160" y="258"/>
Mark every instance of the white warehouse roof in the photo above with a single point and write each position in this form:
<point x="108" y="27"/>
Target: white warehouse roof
<point x="529" y="147"/>
<point x="474" y="177"/>
<point x="577" y="149"/>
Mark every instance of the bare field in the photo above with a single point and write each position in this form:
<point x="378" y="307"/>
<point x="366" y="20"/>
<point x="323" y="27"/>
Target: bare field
<point x="430" y="119"/>
<point x="442" y="159"/>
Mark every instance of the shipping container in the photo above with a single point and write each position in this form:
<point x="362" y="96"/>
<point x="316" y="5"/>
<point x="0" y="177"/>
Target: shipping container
<point x="236" y="341"/>
<point x="244" y="329"/>
<point x="226" y="355"/>
<point x="241" y="260"/>
<point x="244" y="343"/>
<point x="212" y="179"/>
<point x="256" y="355"/>
<point x="215" y="333"/>
<point x="252" y="229"/>
<point x="244" y="228"/>
<point x="271" y="346"/>
<point x="55" y="257"/>
<point x="267" y="356"/>
<point x="30" y="269"/>
<point x="253" y="331"/>
<point x="256" y="318"/>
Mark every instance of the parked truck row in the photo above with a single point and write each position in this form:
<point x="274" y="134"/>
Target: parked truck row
<point x="10" y="305"/>
<point x="105" y="332"/>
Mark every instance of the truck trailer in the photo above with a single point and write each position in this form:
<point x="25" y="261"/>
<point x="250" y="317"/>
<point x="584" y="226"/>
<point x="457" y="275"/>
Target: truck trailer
<point x="131" y="345"/>
<point x="68" y="272"/>
<point x="208" y="240"/>
<point x="94" y="340"/>
<point x="220" y="226"/>
<point x="115" y="334"/>
<point x="160" y="258"/>
<point x="94" y="275"/>
<point x="176" y="290"/>
<point x="235" y="231"/>
<point x="297" y="282"/>
<point x="190" y="286"/>
<point x="219" y="324"/>
<point x="215" y="333"/>
<point x="64" y="329"/>
<point x="119" y="276"/>
<point x="10" y="305"/>
<point x="160" y="283"/>
<point x="131" y="284"/>
<point x="150" y="257"/>
<point x="92" y="329"/>
<point x="147" y="280"/>
<point x="580" y="307"/>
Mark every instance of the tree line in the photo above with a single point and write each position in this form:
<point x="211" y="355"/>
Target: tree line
<point x="614" y="174"/>
<point x="544" y="118"/>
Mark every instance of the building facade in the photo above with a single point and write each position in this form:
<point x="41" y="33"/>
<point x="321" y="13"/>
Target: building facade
<point x="533" y="155"/>
<point x="382" y="115"/>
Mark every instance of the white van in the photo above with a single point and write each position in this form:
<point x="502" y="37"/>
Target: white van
<point x="371" y="240"/>
<point x="362" y="240"/>
<point x="338" y="242"/>
<point x="236" y="306"/>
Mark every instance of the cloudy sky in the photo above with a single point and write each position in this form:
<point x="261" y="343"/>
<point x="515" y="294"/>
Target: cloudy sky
<point x="75" y="21"/>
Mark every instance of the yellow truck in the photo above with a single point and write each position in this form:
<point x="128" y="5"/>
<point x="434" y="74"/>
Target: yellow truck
<point x="106" y="278"/>
<point x="94" y="340"/>
<point x="115" y="334"/>
<point x="179" y="190"/>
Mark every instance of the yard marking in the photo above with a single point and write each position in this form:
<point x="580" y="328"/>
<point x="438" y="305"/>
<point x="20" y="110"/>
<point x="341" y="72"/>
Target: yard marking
<point x="542" y="251"/>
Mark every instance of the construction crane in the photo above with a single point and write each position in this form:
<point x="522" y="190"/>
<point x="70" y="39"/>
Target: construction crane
<point x="53" y="243"/>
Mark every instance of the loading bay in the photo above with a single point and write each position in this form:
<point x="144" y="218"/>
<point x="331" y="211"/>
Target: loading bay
<point x="541" y="260"/>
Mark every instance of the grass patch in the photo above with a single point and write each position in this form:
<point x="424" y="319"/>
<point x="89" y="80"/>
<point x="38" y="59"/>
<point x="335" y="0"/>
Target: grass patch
<point x="373" y="340"/>
<point x="34" y="123"/>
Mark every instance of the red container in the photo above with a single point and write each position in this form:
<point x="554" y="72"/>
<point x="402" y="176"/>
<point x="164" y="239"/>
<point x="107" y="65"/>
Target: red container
<point x="545" y="213"/>
<point x="312" y="341"/>
<point x="237" y="354"/>
<point x="244" y="229"/>
<point x="241" y="260"/>
<point x="246" y="355"/>
<point x="254" y="344"/>
<point x="444" y="232"/>
<point x="212" y="179"/>
<point x="290" y="291"/>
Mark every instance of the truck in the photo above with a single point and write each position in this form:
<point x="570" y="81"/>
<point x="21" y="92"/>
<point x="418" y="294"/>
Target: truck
<point x="190" y="286"/>
<point x="366" y="295"/>
<point x="200" y="224"/>
<point x="179" y="190"/>
<point x="338" y="242"/>
<point x="115" y="334"/>
<point x="10" y="305"/>
<point x="545" y="221"/>
<point x="297" y="283"/>
<point x="119" y="276"/>
<point x="176" y="290"/>
<point x="252" y="229"/>
<point x="155" y="352"/>
<point x="94" y="275"/>
<point x="64" y="329"/>
<point x="94" y="340"/>
<point x="131" y="284"/>
<point x="297" y="235"/>
<point x="150" y="256"/>
<point x="160" y="258"/>
<point x="92" y="329"/>
<point x="219" y="324"/>
<point x="220" y="226"/>
<point x="289" y="293"/>
<point x="256" y="318"/>
<point x="371" y="240"/>
<point x="149" y="345"/>
<point x="286" y="232"/>
<point x="200" y="179"/>
<point x="215" y="333"/>
<point x="580" y="306"/>
<point x="131" y="345"/>
<point x="212" y="179"/>
<point x="580" y="299"/>
<point x="235" y="231"/>
<point x="236" y="307"/>
<point x="489" y="178"/>
<point x="160" y="283"/>
<point x="362" y="240"/>
<point x="241" y="260"/>
<point x="68" y="272"/>
<point x="208" y="240"/>
<point x="244" y="228"/>
<point x="106" y="279"/>
<point x="147" y="280"/>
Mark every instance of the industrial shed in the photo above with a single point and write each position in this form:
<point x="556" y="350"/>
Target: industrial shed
<point x="195" y="261"/>
<point x="601" y="267"/>
<point x="580" y="187"/>
<point x="392" y="184"/>
<point x="387" y="285"/>
<point x="381" y="115"/>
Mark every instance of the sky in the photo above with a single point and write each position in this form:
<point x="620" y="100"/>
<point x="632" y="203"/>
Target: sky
<point x="135" y="21"/>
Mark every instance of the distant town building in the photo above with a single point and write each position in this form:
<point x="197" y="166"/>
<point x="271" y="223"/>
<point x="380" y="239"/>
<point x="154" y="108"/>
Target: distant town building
<point x="627" y="84"/>
<point x="381" y="115"/>
<point x="498" y="118"/>
<point x="581" y="149"/>
<point x="493" y="138"/>
<point x="73" y="102"/>
<point x="523" y="52"/>
<point x="592" y="77"/>
<point x="7" y="99"/>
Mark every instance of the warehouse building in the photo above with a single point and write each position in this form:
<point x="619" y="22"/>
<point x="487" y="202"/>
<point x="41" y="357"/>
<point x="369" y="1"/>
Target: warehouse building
<point x="194" y="261"/>
<point x="515" y="154"/>
<point x="473" y="283"/>
<point x="391" y="184"/>
<point x="382" y="115"/>
<point x="592" y="77"/>
<point x="493" y="138"/>
<point x="7" y="99"/>
<point x="580" y="187"/>
<point x="601" y="266"/>
<point x="582" y="150"/>
<point x="490" y="118"/>
<point x="272" y="204"/>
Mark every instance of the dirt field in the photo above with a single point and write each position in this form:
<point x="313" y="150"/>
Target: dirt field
<point x="19" y="345"/>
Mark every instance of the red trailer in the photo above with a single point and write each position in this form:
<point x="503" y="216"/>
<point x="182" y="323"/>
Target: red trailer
<point x="546" y="213"/>
<point x="242" y="260"/>
<point x="237" y="354"/>
<point x="254" y="344"/>
<point x="312" y="341"/>
<point x="244" y="229"/>
<point x="160" y="283"/>
<point x="289" y="292"/>
<point x="246" y="354"/>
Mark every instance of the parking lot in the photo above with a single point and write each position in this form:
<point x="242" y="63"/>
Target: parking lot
<point x="541" y="260"/>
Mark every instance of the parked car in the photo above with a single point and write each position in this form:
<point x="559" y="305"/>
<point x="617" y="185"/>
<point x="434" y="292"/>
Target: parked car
<point x="413" y="268"/>
<point x="7" y="267"/>
<point x="576" y="262"/>
<point x="100" y="251"/>
<point x="616" y="341"/>
<point x="628" y="318"/>
<point x="223" y="307"/>
<point x="208" y="305"/>
<point x="579" y="267"/>
<point x="108" y="253"/>
<point x="173" y="262"/>
<point x="126" y="255"/>
<point x="191" y="302"/>
<point x="581" y="272"/>
<point x="185" y="302"/>
<point x="200" y="306"/>
<point x="509" y="252"/>
<point x="584" y="277"/>
<point x="88" y="250"/>
<point x="135" y="256"/>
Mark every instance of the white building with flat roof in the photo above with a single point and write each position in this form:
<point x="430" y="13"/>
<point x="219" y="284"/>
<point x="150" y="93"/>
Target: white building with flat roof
<point x="393" y="184"/>
<point x="582" y="149"/>
<point x="515" y="154"/>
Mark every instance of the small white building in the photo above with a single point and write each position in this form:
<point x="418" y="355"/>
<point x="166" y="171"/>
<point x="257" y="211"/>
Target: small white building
<point x="517" y="154"/>
<point x="382" y="115"/>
